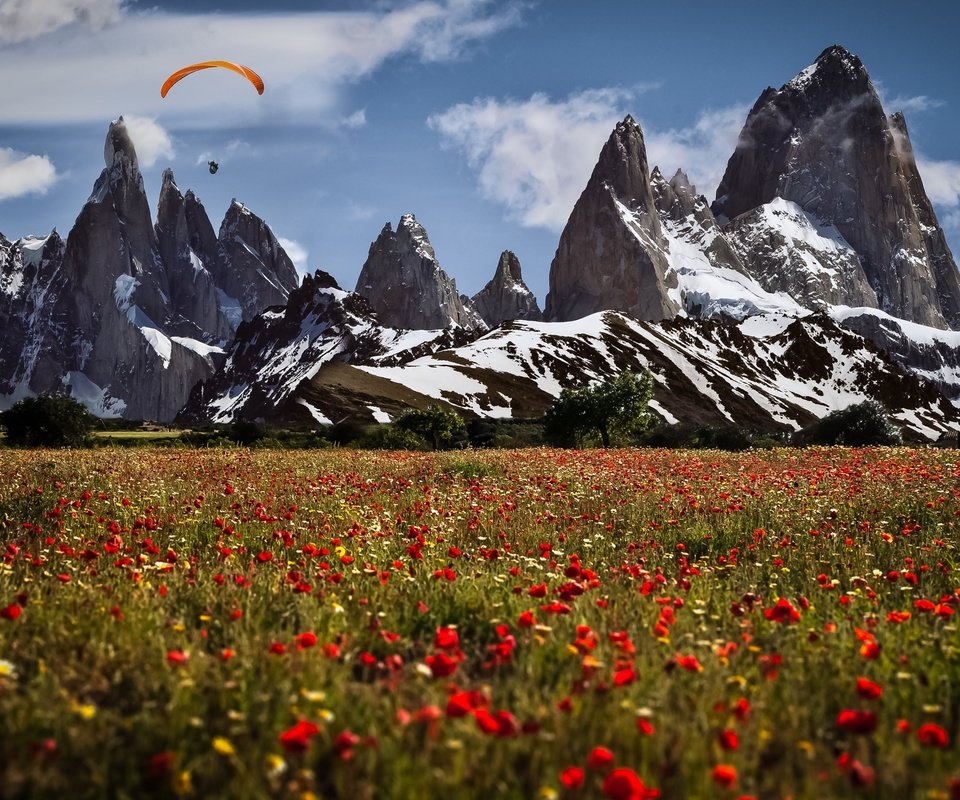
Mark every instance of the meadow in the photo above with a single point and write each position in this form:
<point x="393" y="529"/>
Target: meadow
<point x="516" y="624"/>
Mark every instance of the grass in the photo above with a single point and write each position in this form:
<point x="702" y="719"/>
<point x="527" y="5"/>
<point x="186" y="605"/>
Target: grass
<point x="338" y="623"/>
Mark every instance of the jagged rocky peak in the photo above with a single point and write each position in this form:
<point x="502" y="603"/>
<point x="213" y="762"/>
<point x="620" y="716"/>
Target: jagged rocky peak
<point x="260" y="273"/>
<point x="824" y="143"/>
<point x="118" y="150"/>
<point x="835" y="70"/>
<point x="677" y="198"/>
<point x="506" y="296"/>
<point x="623" y="165"/>
<point x="405" y="285"/>
<point x="612" y="253"/>
<point x="195" y="303"/>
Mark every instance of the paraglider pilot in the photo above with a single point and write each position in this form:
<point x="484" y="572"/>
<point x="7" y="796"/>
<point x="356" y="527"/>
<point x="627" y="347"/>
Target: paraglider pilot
<point x="214" y="166"/>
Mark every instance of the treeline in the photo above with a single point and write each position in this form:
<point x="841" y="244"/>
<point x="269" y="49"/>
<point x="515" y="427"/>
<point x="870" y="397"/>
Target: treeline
<point x="604" y="414"/>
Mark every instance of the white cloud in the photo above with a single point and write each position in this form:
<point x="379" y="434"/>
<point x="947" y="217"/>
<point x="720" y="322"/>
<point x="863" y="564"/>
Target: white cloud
<point x="297" y="252"/>
<point x="941" y="179"/>
<point x="701" y="150"/>
<point x="305" y="59"/>
<point x="920" y="102"/>
<point x="22" y="20"/>
<point x="22" y="174"/>
<point x="445" y="28"/>
<point x="356" y="120"/>
<point x="535" y="156"/>
<point x="151" y="141"/>
<point x="359" y="213"/>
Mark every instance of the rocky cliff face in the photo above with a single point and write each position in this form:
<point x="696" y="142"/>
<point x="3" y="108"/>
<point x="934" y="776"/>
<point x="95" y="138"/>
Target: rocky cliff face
<point x="612" y="252"/>
<point x="404" y="284"/>
<point x="506" y="296"/>
<point x="788" y="250"/>
<point x="126" y="315"/>
<point x="28" y="267"/>
<point x="193" y="288"/>
<point x="256" y="271"/>
<point x="823" y="143"/>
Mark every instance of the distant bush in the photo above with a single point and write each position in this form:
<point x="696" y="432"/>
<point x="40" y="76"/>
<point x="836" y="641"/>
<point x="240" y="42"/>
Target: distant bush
<point x="723" y="437"/>
<point x="858" y="425"/>
<point x="387" y="436"/>
<point x="441" y="428"/>
<point x="505" y="433"/>
<point x="55" y="421"/>
<point x="244" y="432"/>
<point x="707" y="437"/>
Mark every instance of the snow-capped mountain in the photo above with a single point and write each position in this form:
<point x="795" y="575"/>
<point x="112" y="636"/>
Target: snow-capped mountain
<point x="325" y="358"/>
<point x="808" y="285"/>
<point x="286" y="346"/>
<point x="823" y="143"/>
<point x="126" y="315"/>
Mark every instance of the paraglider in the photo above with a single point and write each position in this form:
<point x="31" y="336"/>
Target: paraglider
<point x="213" y="166"/>
<point x="240" y="69"/>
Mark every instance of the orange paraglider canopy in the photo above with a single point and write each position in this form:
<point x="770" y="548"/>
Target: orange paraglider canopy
<point x="240" y="69"/>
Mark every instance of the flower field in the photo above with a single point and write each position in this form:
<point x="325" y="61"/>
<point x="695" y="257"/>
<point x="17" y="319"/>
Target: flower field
<point x="523" y="624"/>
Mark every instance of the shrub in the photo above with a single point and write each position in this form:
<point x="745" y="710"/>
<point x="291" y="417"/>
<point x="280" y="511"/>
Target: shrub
<point x="858" y="425"/>
<point x="55" y="421"/>
<point x="390" y="437"/>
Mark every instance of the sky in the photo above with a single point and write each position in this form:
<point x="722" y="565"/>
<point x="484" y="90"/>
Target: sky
<point x="484" y="118"/>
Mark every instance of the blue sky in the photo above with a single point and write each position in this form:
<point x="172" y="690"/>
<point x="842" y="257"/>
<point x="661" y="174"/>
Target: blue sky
<point x="482" y="117"/>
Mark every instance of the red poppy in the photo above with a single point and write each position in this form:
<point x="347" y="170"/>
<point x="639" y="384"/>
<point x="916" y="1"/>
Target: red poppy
<point x="724" y="775"/>
<point x="783" y="612"/>
<point x="728" y="739"/>
<point x="868" y="689"/>
<point x="645" y="726"/>
<point x="526" y="620"/>
<point x="441" y="665"/>
<point x="688" y="663"/>
<point x="857" y="721"/>
<point x="600" y="758"/>
<point x="344" y="743"/>
<point x="572" y="777"/>
<point x="446" y="638"/>
<point x="11" y="612"/>
<point x="306" y="640"/>
<point x="296" y="739"/>
<point x="176" y="658"/>
<point x="459" y="704"/>
<point x="624" y="676"/>
<point x="625" y="784"/>
<point x="931" y="735"/>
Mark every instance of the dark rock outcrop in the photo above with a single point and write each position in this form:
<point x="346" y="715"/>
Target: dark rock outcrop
<point x="193" y="289"/>
<point x="612" y="253"/>
<point x="506" y="296"/>
<point x="256" y="271"/>
<point x="404" y="284"/>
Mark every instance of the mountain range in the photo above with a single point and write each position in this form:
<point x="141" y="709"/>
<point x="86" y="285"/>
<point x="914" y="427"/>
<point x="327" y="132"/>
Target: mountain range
<point x="818" y="277"/>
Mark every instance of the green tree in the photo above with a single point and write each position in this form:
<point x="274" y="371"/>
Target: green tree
<point x="439" y="426"/>
<point x="614" y="407"/>
<point x="55" y="421"/>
